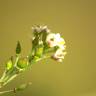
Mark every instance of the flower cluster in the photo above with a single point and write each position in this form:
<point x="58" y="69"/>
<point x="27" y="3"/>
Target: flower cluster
<point x="52" y="40"/>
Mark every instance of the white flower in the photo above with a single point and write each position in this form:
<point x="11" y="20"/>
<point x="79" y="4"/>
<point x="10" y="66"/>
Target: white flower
<point x="55" y="40"/>
<point x="59" y="55"/>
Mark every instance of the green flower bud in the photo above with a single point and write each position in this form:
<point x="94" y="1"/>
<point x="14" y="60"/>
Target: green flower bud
<point x="22" y="63"/>
<point x="39" y="51"/>
<point x="9" y="65"/>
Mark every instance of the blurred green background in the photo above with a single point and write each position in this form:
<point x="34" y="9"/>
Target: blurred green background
<point x="76" y="21"/>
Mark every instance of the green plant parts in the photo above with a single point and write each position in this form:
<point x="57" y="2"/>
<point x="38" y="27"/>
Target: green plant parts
<point x="39" y="51"/>
<point x="22" y="63"/>
<point x="9" y="64"/>
<point x="17" y="89"/>
<point x="45" y="44"/>
<point x="18" y="48"/>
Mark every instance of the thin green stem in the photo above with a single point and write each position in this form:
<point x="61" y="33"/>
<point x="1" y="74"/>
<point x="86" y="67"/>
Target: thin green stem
<point x="10" y="75"/>
<point x="8" y="91"/>
<point x="10" y="79"/>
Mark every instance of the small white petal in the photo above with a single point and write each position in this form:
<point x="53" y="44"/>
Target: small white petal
<point x="57" y="35"/>
<point x="59" y="60"/>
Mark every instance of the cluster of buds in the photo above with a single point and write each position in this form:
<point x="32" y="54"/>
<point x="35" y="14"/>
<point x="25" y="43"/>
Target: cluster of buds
<point x="39" y="29"/>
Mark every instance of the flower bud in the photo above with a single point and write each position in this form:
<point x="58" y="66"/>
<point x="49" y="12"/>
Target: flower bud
<point x="39" y="51"/>
<point x="9" y="65"/>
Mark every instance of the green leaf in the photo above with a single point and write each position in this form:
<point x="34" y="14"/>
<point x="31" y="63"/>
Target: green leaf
<point x="18" y="48"/>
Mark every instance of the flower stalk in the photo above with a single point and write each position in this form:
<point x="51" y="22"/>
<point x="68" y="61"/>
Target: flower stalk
<point x="45" y="44"/>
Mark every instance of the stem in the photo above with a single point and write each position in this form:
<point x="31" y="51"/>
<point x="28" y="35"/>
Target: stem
<point x="9" y="75"/>
<point x="10" y="79"/>
<point x="17" y="58"/>
<point x="8" y="91"/>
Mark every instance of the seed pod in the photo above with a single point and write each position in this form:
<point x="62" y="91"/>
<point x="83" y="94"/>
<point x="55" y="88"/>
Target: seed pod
<point x="22" y="63"/>
<point x="18" y="48"/>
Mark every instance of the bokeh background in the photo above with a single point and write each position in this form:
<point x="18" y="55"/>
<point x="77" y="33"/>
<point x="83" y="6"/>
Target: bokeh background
<point x="76" y="21"/>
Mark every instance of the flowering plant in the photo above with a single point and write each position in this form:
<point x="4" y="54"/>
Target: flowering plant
<point x="45" y="44"/>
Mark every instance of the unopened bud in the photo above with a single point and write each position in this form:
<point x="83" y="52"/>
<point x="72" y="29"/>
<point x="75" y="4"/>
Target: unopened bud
<point x="9" y="65"/>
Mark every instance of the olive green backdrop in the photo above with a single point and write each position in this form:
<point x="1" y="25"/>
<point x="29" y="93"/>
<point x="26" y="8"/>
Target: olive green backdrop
<point x="76" y="21"/>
